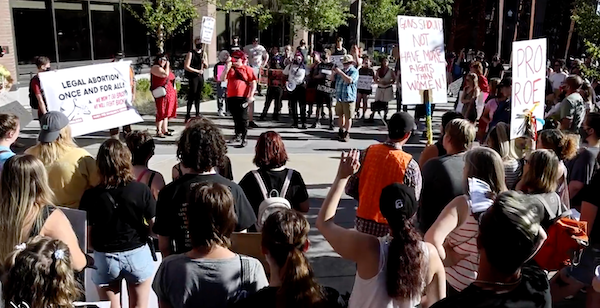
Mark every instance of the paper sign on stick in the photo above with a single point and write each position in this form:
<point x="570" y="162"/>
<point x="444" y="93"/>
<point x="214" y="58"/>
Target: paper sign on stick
<point x="365" y="82"/>
<point x="422" y="58"/>
<point x="528" y="85"/>
<point x="208" y="28"/>
<point x="94" y="97"/>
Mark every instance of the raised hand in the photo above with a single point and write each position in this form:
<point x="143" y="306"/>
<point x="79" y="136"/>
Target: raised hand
<point x="349" y="164"/>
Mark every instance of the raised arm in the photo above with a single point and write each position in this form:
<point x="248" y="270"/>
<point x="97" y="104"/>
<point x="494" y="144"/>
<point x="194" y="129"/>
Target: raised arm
<point x="349" y="243"/>
<point x="451" y="217"/>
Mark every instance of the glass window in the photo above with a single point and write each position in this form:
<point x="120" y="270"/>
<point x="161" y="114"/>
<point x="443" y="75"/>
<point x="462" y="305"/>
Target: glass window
<point x="222" y="31"/>
<point x="135" y="36"/>
<point x="72" y="28"/>
<point x="33" y="30"/>
<point x="105" y="29"/>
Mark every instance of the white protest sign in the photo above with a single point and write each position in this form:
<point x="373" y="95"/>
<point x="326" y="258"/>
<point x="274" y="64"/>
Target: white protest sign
<point x="337" y="60"/>
<point x="11" y="106"/>
<point x="94" y="98"/>
<point x="208" y="28"/>
<point x="365" y="82"/>
<point x="422" y="58"/>
<point x="528" y="85"/>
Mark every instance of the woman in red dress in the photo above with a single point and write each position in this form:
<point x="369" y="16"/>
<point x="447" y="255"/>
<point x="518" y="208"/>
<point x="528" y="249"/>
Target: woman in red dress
<point x="477" y="69"/>
<point x="166" y="104"/>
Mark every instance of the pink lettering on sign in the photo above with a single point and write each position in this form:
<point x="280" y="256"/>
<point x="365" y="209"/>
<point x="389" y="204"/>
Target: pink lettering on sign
<point x="529" y="63"/>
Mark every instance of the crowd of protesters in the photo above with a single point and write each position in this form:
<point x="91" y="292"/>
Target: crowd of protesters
<point x="460" y="227"/>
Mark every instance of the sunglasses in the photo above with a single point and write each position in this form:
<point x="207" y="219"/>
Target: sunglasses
<point x="162" y="59"/>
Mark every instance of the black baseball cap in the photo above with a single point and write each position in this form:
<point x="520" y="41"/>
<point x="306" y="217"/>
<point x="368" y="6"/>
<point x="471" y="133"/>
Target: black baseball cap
<point x="398" y="203"/>
<point x="400" y="124"/>
<point x="51" y="123"/>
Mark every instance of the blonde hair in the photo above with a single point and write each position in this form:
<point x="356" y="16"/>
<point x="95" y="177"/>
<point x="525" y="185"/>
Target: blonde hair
<point x="542" y="174"/>
<point x="461" y="133"/>
<point x="40" y="275"/>
<point x="23" y="191"/>
<point x="499" y="140"/>
<point x="485" y="164"/>
<point x="50" y="152"/>
<point x="475" y="79"/>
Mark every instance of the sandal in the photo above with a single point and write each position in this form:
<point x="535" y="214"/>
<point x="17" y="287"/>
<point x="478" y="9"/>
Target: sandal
<point x="168" y="133"/>
<point x="158" y="135"/>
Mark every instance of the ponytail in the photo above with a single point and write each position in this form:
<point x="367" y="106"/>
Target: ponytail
<point x="564" y="145"/>
<point x="404" y="273"/>
<point x="568" y="146"/>
<point x="298" y="287"/>
<point x="284" y="236"/>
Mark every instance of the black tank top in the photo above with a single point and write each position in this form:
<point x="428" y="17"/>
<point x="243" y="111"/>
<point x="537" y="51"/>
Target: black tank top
<point x="195" y="63"/>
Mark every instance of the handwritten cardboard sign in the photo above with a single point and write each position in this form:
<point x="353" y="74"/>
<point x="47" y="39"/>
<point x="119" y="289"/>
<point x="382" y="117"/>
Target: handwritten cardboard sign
<point x="94" y="97"/>
<point x="528" y="84"/>
<point x="422" y="58"/>
<point x="208" y="28"/>
<point x="365" y="82"/>
<point x="337" y="60"/>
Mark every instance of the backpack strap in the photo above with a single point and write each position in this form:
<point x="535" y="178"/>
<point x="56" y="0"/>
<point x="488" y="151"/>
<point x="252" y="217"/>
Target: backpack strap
<point x="286" y="183"/>
<point x="151" y="179"/>
<point x="261" y="184"/>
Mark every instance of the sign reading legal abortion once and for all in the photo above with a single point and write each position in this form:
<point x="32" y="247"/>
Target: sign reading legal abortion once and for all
<point x="528" y="86"/>
<point x="422" y="59"/>
<point x="94" y="98"/>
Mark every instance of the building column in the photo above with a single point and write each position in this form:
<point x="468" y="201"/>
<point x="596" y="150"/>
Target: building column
<point x="205" y="8"/>
<point x="7" y="40"/>
<point x="299" y="34"/>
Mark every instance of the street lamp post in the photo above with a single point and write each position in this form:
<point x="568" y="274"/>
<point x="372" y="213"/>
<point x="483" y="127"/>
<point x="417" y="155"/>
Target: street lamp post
<point x="358" y="22"/>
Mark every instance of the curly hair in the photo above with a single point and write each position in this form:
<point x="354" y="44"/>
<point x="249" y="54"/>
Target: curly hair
<point x="563" y="145"/>
<point x="40" y="275"/>
<point x="201" y="146"/>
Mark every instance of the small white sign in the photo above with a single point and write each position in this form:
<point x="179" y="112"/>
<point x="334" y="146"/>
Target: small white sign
<point x="337" y="60"/>
<point x="208" y="28"/>
<point x="528" y="85"/>
<point x="365" y="82"/>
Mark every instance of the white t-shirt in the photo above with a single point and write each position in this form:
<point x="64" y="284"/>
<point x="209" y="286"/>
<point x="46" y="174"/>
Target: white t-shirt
<point x="255" y="54"/>
<point x="557" y="79"/>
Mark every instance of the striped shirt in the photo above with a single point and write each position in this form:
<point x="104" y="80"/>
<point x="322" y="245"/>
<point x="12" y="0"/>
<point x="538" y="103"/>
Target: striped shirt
<point x="512" y="171"/>
<point x="464" y="241"/>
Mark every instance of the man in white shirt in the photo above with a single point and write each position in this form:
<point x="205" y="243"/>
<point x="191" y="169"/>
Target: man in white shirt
<point x="258" y="57"/>
<point x="559" y="75"/>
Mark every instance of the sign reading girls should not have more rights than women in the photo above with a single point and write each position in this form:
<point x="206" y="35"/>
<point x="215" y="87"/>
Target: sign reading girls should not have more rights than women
<point x="422" y="58"/>
<point x="94" y="98"/>
<point x="528" y="87"/>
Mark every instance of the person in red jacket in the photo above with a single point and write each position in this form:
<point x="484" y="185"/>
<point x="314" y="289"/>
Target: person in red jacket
<point x="241" y="84"/>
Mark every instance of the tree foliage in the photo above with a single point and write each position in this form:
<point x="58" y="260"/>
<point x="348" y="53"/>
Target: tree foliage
<point x="318" y="15"/>
<point x="587" y="21"/>
<point x="166" y="18"/>
<point x="380" y="15"/>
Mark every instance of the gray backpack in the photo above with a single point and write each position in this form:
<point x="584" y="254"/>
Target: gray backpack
<point x="274" y="200"/>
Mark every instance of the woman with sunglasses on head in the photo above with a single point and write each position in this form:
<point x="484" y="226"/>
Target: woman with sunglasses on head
<point x="162" y="85"/>
<point x="454" y="232"/>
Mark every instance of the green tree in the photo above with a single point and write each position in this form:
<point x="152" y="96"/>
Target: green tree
<point x="166" y="18"/>
<point x="587" y="24"/>
<point x="380" y="15"/>
<point x="317" y="15"/>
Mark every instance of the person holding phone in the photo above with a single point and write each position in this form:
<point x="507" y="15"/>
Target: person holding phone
<point x="241" y="84"/>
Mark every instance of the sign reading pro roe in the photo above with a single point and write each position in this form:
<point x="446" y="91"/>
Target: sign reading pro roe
<point x="94" y="98"/>
<point x="528" y="84"/>
<point x="422" y="58"/>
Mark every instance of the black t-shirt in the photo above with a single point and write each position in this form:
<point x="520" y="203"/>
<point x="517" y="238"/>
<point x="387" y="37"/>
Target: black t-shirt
<point x="532" y="292"/>
<point x="581" y="168"/>
<point x="442" y="182"/>
<point x="495" y="71"/>
<point x="172" y="201"/>
<point x="325" y="83"/>
<point x="296" y="193"/>
<point x="117" y="228"/>
<point x="590" y="194"/>
<point x="266" y="298"/>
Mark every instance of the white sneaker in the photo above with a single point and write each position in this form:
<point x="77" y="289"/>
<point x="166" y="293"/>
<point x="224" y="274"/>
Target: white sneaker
<point x="221" y="113"/>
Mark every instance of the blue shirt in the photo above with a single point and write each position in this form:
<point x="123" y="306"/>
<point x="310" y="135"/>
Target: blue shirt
<point x="346" y="92"/>
<point x="5" y="154"/>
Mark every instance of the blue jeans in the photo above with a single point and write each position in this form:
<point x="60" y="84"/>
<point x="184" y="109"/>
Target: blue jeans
<point x="221" y="96"/>
<point x="135" y="266"/>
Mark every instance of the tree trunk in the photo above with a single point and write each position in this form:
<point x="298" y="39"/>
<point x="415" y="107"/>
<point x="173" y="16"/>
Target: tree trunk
<point x="160" y="40"/>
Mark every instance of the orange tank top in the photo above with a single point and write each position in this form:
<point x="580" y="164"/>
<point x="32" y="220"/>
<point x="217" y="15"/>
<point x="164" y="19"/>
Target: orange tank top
<point x="383" y="165"/>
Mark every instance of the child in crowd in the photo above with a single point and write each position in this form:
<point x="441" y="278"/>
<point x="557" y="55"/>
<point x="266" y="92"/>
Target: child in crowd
<point x="38" y="274"/>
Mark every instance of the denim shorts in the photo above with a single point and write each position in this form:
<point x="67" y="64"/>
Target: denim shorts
<point x="135" y="266"/>
<point x="584" y="272"/>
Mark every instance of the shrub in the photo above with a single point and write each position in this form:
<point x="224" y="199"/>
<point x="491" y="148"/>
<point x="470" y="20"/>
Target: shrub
<point x="207" y="91"/>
